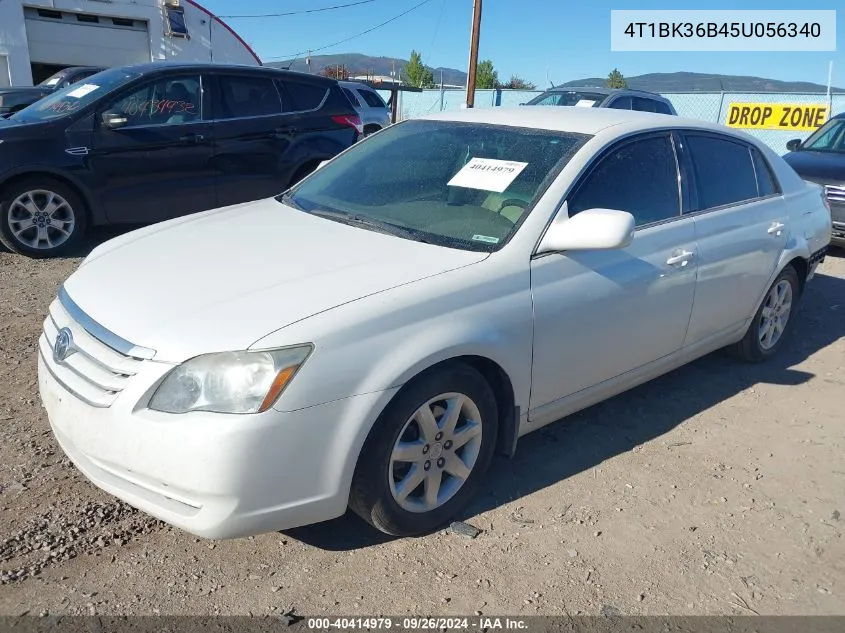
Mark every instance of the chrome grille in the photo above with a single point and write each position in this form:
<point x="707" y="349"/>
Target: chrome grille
<point x="835" y="193"/>
<point x="94" y="371"/>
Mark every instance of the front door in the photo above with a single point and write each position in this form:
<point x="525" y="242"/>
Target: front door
<point x="599" y="314"/>
<point x="741" y="228"/>
<point x="158" y="165"/>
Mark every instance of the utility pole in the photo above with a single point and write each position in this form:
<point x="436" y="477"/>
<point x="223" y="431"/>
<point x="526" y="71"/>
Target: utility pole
<point x="473" y="52"/>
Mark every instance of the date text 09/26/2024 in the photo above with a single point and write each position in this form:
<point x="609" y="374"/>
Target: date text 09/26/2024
<point x="413" y="624"/>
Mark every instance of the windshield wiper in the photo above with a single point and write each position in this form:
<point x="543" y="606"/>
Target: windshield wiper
<point x="368" y="223"/>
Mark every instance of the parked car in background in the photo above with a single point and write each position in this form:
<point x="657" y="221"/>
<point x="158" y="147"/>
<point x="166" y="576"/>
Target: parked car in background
<point x="142" y="144"/>
<point x="17" y="98"/>
<point x="821" y="159"/>
<point x="372" y="109"/>
<point x="372" y="336"/>
<point x="616" y="98"/>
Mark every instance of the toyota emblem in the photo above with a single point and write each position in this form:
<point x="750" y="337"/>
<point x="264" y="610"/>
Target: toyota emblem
<point x="64" y="345"/>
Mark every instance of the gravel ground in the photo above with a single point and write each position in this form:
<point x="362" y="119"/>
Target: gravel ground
<point x="717" y="489"/>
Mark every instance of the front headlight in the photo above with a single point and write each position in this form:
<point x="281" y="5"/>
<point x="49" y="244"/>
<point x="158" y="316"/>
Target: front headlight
<point x="229" y="382"/>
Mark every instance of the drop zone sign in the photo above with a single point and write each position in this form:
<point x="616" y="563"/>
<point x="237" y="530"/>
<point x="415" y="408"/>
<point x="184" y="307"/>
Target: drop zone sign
<point x="777" y="116"/>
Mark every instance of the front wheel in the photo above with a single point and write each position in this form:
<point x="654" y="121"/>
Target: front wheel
<point x="771" y="324"/>
<point x="427" y="453"/>
<point x="41" y="217"/>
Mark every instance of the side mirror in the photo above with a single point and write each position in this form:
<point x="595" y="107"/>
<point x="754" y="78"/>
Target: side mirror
<point x="593" y="229"/>
<point x="794" y="145"/>
<point x="114" y="120"/>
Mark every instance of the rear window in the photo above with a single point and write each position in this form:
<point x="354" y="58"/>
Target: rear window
<point x="305" y="96"/>
<point x="724" y="172"/>
<point x="372" y="99"/>
<point x="568" y="98"/>
<point x="352" y="98"/>
<point x="644" y="104"/>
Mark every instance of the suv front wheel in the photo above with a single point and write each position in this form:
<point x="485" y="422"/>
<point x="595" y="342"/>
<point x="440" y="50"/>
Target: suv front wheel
<point x="41" y="217"/>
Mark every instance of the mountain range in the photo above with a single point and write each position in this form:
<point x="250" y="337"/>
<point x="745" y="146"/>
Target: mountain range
<point x="360" y="64"/>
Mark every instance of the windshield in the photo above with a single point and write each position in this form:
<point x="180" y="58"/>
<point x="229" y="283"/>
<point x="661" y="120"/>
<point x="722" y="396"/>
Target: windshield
<point x="828" y="138"/>
<point x="53" y="80"/>
<point x="569" y="98"/>
<point x="74" y="97"/>
<point x="455" y="184"/>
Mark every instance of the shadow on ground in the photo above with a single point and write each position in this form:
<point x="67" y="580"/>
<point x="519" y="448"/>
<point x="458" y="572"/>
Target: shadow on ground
<point x="594" y="435"/>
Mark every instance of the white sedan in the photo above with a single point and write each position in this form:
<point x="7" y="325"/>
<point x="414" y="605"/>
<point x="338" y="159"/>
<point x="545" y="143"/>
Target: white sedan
<point x="370" y="338"/>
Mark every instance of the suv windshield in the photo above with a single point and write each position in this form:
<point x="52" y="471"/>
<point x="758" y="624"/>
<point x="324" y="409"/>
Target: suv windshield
<point x="456" y="184"/>
<point x="828" y="138"/>
<point x="568" y="98"/>
<point x="74" y="97"/>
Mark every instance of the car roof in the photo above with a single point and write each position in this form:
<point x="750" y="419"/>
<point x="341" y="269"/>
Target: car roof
<point x="150" y="67"/>
<point x="603" y="90"/>
<point x="590" y="121"/>
<point x="841" y="115"/>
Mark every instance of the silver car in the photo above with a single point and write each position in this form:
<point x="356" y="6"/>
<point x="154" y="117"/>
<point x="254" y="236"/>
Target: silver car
<point x="372" y="109"/>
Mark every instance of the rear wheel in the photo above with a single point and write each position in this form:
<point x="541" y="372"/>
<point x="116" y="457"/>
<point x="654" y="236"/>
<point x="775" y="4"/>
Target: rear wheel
<point x="427" y="453"/>
<point x="771" y="324"/>
<point x="370" y="129"/>
<point x="41" y="217"/>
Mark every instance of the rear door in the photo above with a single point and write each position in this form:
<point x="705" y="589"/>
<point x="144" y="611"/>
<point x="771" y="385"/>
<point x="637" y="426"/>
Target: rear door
<point x="322" y="122"/>
<point x="158" y="165"/>
<point x="740" y="226"/>
<point x="252" y="137"/>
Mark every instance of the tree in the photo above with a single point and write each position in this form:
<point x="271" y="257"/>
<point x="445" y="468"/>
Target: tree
<point x="518" y="83"/>
<point x="616" y="80"/>
<point x="486" y="76"/>
<point x="416" y="74"/>
<point x="337" y="71"/>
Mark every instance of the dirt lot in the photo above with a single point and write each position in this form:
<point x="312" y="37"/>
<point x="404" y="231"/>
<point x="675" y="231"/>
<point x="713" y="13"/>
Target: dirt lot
<point x="718" y="489"/>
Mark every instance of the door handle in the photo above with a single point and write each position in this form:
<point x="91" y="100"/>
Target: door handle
<point x="680" y="257"/>
<point x="192" y="138"/>
<point x="776" y="229"/>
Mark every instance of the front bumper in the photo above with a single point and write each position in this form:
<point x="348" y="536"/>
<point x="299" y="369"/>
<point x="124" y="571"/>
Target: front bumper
<point x="214" y="475"/>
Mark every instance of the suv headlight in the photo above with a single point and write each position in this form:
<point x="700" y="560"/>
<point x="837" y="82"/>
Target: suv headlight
<point x="229" y="382"/>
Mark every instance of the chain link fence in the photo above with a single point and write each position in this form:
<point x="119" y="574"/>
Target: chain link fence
<point x="706" y="106"/>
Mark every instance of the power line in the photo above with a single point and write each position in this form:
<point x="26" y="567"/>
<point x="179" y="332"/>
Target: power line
<point x="352" y="37"/>
<point x="278" y="15"/>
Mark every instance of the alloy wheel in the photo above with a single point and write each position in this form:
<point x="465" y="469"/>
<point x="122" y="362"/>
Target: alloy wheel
<point x="41" y="219"/>
<point x="775" y="314"/>
<point x="435" y="452"/>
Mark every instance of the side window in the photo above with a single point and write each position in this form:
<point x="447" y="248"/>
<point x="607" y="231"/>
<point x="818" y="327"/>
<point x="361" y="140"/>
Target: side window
<point x="621" y="103"/>
<point x="244" y="96"/>
<point x="640" y="177"/>
<point x="305" y="96"/>
<point x="551" y="99"/>
<point x="352" y="98"/>
<point x="372" y="99"/>
<point x="766" y="183"/>
<point x="168" y="101"/>
<point x="724" y="173"/>
<point x="662" y="107"/>
<point x="643" y="104"/>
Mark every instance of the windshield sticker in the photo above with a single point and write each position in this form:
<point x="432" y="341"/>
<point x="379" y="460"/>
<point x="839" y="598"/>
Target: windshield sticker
<point x="487" y="174"/>
<point x="485" y="238"/>
<point x="83" y="90"/>
<point x="585" y="103"/>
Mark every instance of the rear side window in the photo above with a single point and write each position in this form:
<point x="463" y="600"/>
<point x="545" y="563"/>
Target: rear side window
<point x="244" y="96"/>
<point x="621" y="103"/>
<point x="662" y="107"/>
<point x="305" y="96"/>
<point x="724" y="172"/>
<point x="766" y="183"/>
<point x="352" y="98"/>
<point x="640" y="177"/>
<point x="372" y="99"/>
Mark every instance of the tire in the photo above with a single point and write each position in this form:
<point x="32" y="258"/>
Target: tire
<point x="370" y="129"/>
<point x="27" y="201"/>
<point x="754" y="348"/>
<point x="377" y="486"/>
<point x="306" y="170"/>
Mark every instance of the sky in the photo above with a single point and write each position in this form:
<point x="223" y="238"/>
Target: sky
<point x="543" y="41"/>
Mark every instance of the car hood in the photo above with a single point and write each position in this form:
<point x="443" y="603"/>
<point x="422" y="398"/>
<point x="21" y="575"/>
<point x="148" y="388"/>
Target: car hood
<point x="822" y="167"/>
<point x="223" y="279"/>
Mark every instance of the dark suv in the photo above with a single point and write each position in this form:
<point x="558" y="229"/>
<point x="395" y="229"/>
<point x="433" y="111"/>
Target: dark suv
<point x="141" y="144"/>
<point x="17" y="98"/>
<point x="617" y="98"/>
